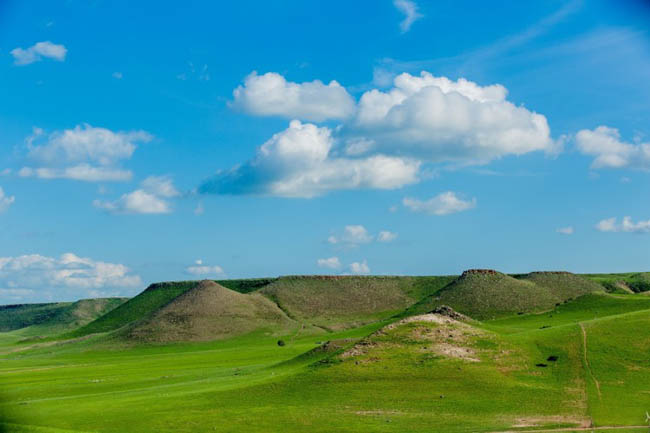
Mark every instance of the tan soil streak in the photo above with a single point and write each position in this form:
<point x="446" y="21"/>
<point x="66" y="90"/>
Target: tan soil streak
<point x="573" y="429"/>
<point x="591" y="373"/>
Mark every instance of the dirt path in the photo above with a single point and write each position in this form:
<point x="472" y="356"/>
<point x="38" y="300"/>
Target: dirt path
<point x="586" y="359"/>
<point x="611" y="427"/>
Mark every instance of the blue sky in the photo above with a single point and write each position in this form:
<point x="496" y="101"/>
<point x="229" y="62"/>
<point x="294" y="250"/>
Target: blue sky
<point x="166" y="141"/>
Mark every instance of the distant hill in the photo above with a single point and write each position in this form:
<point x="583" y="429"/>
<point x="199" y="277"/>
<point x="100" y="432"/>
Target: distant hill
<point x="50" y="318"/>
<point x="336" y="302"/>
<point x="487" y="294"/>
<point x="636" y="282"/>
<point x="210" y="311"/>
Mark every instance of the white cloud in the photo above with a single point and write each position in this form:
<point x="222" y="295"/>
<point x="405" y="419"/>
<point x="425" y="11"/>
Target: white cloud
<point x="386" y="236"/>
<point x="298" y="162"/>
<point x="83" y="153"/>
<point x="66" y="277"/>
<point x="85" y="143"/>
<point x="271" y="94"/>
<point x="605" y="144"/>
<point x="352" y="235"/>
<point x="436" y="119"/>
<point x="199" y="209"/>
<point x="565" y="230"/>
<point x="83" y="172"/>
<point x="200" y="269"/>
<point x="149" y="199"/>
<point x="627" y="225"/>
<point x="330" y="263"/>
<point x="410" y="11"/>
<point x="359" y="268"/>
<point x="390" y="135"/>
<point x="37" y="52"/>
<point x="117" y="75"/>
<point x="161" y="186"/>
<point x="442" y="204"/>
<point x="5" y="201"/>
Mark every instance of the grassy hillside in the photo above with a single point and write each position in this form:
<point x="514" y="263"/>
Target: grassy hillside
<point x="136" y="308"/>
<point x="343" y="301"/>
<point x="46" y="319"/>
<point x="486" y="294"/>
<point x="210" y="311"/>
<point x="628" y="282"/>
<point x="424" y="374"/>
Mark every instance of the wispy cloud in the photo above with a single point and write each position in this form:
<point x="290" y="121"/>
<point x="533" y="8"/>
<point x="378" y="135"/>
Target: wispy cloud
<point x="410" y="10"/>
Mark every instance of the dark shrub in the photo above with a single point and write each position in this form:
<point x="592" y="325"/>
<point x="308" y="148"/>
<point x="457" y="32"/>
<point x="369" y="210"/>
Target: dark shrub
<point x="281" y="343"/>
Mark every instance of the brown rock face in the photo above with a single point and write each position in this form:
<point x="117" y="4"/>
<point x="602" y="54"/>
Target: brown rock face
<point x="479" y="271"/>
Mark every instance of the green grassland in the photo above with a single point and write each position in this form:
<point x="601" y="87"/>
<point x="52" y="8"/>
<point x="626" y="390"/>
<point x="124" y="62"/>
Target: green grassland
<point x="571" y="366"/>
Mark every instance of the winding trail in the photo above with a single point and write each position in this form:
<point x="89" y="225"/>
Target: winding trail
<point x="586" y="359"/>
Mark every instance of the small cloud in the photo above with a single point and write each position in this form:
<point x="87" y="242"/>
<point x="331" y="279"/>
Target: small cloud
<point x="386" y="236"/>
<point x="359" y="268"/>
<point x="38" y="51"/>
<point x="627" y="225"/>
<point x="410" y="10"/>
<point x="199" y="269"/>
<point x="330" y="263"/>
<point x="199" y="210"/>
<point x="393" y="208"/>
<point x="117" y="75"/>
<point x="625" y="179"/>
<point x="352" y="235"/>
<point x="5" y="172"/>
<point x="151" y="198"/>
<point x="5" y="202"/>
<point x="442" y="204"/>
<point x="565" y="230"/>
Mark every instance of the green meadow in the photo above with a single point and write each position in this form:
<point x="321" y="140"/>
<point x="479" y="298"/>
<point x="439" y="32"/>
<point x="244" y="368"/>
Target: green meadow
<point x="368" y="356"/>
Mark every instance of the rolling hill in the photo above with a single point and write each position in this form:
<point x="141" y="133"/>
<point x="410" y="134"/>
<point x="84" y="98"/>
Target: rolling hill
<point x="486" y="294"/>
<point x="52" y="318"/>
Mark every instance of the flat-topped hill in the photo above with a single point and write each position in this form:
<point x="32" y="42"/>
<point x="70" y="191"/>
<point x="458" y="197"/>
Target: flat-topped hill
<point x="210" y="311"/>
<point x="342" y="301"/>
